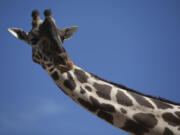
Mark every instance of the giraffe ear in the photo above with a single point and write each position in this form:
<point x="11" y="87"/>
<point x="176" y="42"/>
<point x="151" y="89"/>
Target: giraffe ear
<point x="18" y="33"/>
<point x="68" y="32"/>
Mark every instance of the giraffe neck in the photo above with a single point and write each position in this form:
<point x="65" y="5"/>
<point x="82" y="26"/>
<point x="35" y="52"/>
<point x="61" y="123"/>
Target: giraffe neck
<point x="131" y="111"/>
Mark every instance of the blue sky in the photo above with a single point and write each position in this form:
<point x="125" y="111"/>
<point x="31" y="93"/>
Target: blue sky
<point x="132" y="42"/>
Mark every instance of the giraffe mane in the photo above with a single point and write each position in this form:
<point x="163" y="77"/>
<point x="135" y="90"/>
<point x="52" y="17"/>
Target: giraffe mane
<point x="135" y="91"/>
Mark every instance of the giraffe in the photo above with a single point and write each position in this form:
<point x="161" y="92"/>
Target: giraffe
<point x="122" y="107"/>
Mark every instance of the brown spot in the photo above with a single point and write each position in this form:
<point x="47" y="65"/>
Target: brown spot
<point x="123" y="111"/>
<point x="161" y="105"/>
<point x="141" y="100"/>
<point x="49" y="65"/>
<point x="134" y="127"/>
<point x="81" y="76"/>
<point x="103" y="106"/>
<point x="45" y="59"/>
<point x="179" y="128"/>
<point x="88" y="105"/>
<point x="103" y="90"/>
<point x="37" y="57"/>
<point x="51" y="69"/>
<point x="123" y="99"/>
<point x="146" y="119"/>
<point x="39" y="54"/>
<point x="82" y="91"/>
<point x="88" y="88"/>
<point x="105" y="116"/>
<point x="69" y="83"/>
<point x="171" y="119"/>
<point x="167" y="131"/>
<point x="94" y="101"/>
<point x="58" y="60"/>
<point x="55" y="76"/>
<point x="107" y="107"/>
<point x="178" y="114"/>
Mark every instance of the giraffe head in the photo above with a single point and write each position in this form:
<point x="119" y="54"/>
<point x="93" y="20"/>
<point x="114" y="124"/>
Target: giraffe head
<point x="46" y="40"/>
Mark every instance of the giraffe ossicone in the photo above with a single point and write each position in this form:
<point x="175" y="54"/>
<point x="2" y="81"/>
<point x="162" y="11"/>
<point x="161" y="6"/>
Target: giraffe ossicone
<point x="129" y="110"/>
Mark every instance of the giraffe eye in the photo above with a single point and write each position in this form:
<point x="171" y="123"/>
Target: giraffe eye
<point x="34" y="40"/>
